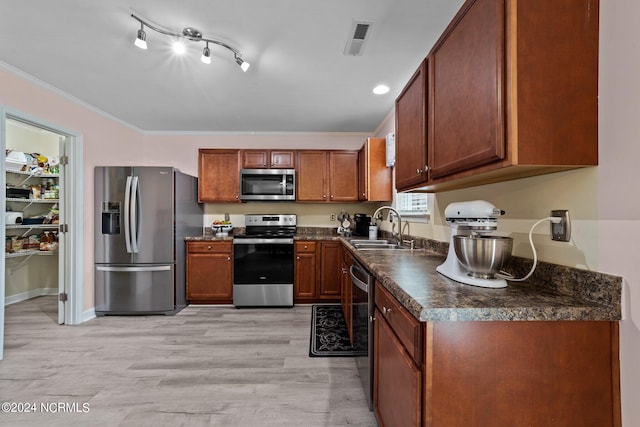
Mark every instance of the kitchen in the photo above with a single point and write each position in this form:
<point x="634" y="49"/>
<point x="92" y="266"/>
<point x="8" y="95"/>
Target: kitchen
<point x="604" y="216"/>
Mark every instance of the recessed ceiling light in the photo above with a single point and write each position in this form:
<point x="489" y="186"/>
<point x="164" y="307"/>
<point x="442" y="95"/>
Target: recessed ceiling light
<point x="381" y="89"/>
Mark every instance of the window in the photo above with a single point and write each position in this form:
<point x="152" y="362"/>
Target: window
<point x="413" y="204"/>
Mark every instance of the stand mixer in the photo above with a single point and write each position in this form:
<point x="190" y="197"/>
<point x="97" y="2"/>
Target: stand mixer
<point x="476" y="217"/>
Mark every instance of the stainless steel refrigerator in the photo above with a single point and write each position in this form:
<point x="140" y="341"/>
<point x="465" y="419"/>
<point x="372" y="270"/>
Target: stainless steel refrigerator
<point x="142" y="215"/>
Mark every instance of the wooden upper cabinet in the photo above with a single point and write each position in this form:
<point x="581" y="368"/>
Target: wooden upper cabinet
<point x="467" y="106"/>
<point x="411" y="132"/>
<point x="283" y="159"/>
<point x="264" y="159"/>
<point x="327" y="176"/>
<point x="343" y="176"/>
<point x="374" y="181"/>
<point x="218" y="175"/>
<point x="311" y="176"/>
<point x="513" y="92"/>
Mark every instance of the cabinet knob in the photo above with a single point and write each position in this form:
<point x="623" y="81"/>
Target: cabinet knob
<point x="228" y="258"/>
<point x="418" y="171"/>
<point x="297" y="257"/>
<point x="237" y="197"/>
<point x="371" y="319"/>
<point x="264" y="164"/>
<point x="324" y="196"/>
<point x="332" y="196"/>
<point x="306" y="247"/>
<point x="209" y="247"/>
<point x="386" y="310"/>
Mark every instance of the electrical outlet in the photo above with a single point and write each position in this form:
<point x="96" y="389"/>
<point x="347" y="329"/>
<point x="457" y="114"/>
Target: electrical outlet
<point x="561" y="231"/>
<point x="332" y="217"/>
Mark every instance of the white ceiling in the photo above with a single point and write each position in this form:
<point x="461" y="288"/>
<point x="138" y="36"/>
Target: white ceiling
<point x="299" y="80"/>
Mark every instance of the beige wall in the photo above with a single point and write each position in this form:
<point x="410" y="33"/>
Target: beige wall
<point x="604" y="206"/>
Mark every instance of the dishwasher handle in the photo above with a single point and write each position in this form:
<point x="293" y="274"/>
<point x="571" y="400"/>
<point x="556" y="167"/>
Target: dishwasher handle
<point x="356" y="281"/>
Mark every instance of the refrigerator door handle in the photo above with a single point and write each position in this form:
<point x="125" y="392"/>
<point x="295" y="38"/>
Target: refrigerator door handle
<point x="134" y="269"/>
<point x="135" y="223"/>
<point x="127" y="225"/>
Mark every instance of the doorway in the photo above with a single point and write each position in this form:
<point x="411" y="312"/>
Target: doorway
<point x="42" y="255"/>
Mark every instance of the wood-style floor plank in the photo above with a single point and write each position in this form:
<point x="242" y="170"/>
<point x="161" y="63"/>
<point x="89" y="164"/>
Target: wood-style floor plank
<point x="207" y="366"/>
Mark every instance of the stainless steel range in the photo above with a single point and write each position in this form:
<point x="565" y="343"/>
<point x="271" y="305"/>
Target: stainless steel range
<point x="263" y="261"/>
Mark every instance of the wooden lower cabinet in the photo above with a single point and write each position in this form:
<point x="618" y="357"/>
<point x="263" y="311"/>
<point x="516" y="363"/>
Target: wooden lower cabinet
<point x="493" y="373"/>
<point x="562" y="373"/>
<point x="305" y="272"/>
<point x="397" y="379"/>
<point x="346" y="292"/>
<point x="317" y="274"/>
<point x="330" y="271"/>
<point x="210" y="272"/>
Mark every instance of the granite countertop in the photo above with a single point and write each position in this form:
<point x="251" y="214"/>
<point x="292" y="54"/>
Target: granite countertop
<point x="571" y="294"/>
<point x="553" y="292"/>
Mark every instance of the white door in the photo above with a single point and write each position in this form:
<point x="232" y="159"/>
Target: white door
<point x="62" y="260"/>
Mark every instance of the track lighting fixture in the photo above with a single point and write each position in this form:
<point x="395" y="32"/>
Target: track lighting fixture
<point x="190" y="34"/>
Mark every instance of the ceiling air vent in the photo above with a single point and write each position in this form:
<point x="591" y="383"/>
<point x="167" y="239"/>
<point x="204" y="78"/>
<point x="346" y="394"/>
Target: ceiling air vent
<point x="357" y="37"/>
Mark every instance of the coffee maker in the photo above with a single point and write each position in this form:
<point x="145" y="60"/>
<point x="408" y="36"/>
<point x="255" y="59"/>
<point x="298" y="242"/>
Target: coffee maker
<point x="362" y="222"/>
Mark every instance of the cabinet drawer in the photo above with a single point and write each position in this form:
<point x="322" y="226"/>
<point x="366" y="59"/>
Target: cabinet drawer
<point x="305" y="246"/>
<point x="208" y="247"/>
<point x="406" y="327"/>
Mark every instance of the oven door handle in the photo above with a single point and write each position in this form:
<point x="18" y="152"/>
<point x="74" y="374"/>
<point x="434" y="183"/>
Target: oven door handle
<point x="359" y="283"/>
<point x="276" y="241"/>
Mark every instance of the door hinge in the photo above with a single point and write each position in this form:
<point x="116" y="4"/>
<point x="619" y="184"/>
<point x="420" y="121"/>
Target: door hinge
<point x="62" y="297"/>
<point x="64" y="160"/>
<point x="63" y="228"/>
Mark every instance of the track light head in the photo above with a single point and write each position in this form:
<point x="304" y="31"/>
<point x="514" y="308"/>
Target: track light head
<point x="206" y="55"/>
<point x="244" y="66"/>
<point x="141" y="39"/>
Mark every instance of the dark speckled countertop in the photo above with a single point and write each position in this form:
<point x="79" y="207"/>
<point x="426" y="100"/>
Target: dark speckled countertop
<point x="412" y="278"/>
<point x="554" y="292"/>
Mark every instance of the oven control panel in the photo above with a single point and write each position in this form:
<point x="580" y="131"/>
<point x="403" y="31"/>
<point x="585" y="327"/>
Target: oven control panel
<point x="270" y="220"/>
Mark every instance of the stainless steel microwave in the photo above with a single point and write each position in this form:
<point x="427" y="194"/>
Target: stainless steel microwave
<point x="267" y="184"/>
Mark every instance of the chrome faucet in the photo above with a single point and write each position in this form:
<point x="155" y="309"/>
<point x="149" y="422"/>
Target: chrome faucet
<point x="391" y="209"/>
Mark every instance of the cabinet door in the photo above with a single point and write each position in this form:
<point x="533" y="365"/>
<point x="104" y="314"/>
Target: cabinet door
<point x="330" y="270"/>
<point x="219" y="175"/>
<point x="363" y="165"/>
<point x="345" y="297"/>
<point x="305" y="271"/>
<point x="397" y="388"/>
<point x="312" y="176"/>
<point x="411" y="132"/>
<point x="209" y="272"/>
<point x="283" y="159"/>
<point x="343" y="176"/>
<point x="467" y="91"/>
<point x="375" y="180"/>
<point x="255" y="159"/>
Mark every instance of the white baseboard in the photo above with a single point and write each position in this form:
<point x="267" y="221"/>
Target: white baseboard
<point x="23" y="296"/>
<point x="88" y="314"/>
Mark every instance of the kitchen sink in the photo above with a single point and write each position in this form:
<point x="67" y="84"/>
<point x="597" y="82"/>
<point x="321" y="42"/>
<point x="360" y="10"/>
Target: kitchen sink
<point x="368" y="241"/>
<point x="378" y="246"/>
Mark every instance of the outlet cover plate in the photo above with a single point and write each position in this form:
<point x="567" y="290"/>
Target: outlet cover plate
<point x="561" y="232"/>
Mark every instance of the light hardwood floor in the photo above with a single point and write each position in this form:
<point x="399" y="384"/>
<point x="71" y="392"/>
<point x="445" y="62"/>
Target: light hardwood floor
<point x="206" y="366"/>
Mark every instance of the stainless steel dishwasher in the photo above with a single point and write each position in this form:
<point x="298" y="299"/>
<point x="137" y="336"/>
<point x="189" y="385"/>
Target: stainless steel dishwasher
<point x="362" y="286"/>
